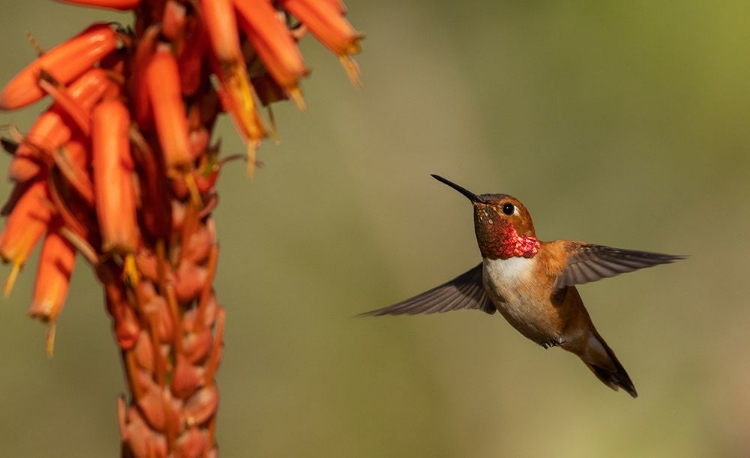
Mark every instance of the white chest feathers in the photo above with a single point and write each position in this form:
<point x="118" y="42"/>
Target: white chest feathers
<point x="510" y="284"/>
<point x="508" y="271"/>
<point x="507" y="281"/>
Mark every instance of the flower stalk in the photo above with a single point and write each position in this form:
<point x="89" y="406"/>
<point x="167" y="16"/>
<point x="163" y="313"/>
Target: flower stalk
<point x="121" y="169"/>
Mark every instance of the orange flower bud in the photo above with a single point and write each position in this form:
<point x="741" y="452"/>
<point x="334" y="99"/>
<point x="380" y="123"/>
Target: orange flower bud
<point x="26" y="224"/>
<point x="52" y="281"/>
<point x="53" y="128"/>
<point x="121" y="5"/>
<point x="272" y="41"/>
<point x="193" y="442"/>
<point x="75" y="102"/>
<point x="140" y="439"/>
<point x="187" y="378"/>
<point x="113" y="180"/>
<point x="173" y="22"/>
<point x="63" y="63"/>
<point x="125" y="321"/>
<point x="326" y="22"/>
<point x="221" y="24"/>
<point x="196" y="320"/>
<point x="196" y="346"/>
<point x="25" y="165"/>
<point x="188" y="281"/>
<point x="158" y="309"/>
<point x="238" y="96"/>
<point x="144" y="52"/>
<point x="53" y="276"/>
<point x="151" y="401"/>
<point x="163" y="83"/>
<point x="143" y="440"/>
<point x="201" y="406"/>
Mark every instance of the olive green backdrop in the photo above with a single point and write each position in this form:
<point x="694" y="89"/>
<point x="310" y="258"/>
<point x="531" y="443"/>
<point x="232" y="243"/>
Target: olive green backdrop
<point x="625" y="123"/>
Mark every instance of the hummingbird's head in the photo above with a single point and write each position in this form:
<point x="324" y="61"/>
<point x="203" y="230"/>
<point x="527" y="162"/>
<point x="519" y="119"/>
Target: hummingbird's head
<point x="502" y="224"/>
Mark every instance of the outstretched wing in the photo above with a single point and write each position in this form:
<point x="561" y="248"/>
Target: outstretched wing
<point x="588" y="262"/>
<point x="463" y="292"/>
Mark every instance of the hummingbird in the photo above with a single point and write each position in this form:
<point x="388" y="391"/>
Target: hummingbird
<point x="533" y="283"/>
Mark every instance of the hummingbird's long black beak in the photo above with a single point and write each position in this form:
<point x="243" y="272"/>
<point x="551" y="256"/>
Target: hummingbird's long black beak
<point x="470" y="195"/>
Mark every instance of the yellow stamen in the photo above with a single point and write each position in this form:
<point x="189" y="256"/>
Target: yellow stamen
<point x="352" y="70"/>
<point x="238" y="83"/>
<point x="272" y="119"/>
<point x="192" y="186"/>
<point x="12" y="277"/>
<point x="51" y="329"/>
<point x="131" y="270"/>
<point x="251" y="150"/>
<point x="296" y="96"/>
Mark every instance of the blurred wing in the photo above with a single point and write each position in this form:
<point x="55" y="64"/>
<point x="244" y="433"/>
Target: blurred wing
<point x="588" y="262"/>
<point x="463" y="292"/>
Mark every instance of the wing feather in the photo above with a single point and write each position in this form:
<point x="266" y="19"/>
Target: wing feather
<point x="588" y="262"/>
<point x="463" y="292"/>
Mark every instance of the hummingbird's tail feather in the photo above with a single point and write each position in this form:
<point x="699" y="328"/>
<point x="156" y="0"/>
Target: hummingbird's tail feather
<point x="604" y="364"/>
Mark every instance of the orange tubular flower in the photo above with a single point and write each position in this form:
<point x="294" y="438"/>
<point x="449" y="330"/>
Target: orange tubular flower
<point x="326" y="22"/>
<point x="54" y="127"/>
<point x="238" y="98"/>
<point x="76" y="101"/>
<point x="52" y="281"/>
<point x="26" y="224"/>
<point x="237" y="94"/>
<point x="163" y="84"/>
<point x="53" y="276"/>
<point x="173" y="22"/>
<point x="24" y="166"/>
<point x="113" y="180"/>
<point x="274" y="44"/>
<point x="324" y="19"/>
<point x="142" y="113"/>
<point x="219" y="16"/>
<point x="63" y="63"/>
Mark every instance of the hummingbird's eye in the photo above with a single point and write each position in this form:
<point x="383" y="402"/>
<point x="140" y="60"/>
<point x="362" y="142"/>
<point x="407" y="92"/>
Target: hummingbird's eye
<point x="509" y="209"/>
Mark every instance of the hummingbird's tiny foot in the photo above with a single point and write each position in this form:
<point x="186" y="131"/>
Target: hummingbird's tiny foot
<point x="556" y="342"/>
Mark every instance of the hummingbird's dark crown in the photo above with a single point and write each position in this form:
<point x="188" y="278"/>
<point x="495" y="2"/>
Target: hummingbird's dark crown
<point x="490" y="198"/>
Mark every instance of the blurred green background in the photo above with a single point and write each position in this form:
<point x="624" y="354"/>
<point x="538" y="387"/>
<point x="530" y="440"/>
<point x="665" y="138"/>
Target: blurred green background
<point x="623" y="122"/>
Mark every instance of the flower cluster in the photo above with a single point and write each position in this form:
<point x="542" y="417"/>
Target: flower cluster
<point x="120" y="168"/>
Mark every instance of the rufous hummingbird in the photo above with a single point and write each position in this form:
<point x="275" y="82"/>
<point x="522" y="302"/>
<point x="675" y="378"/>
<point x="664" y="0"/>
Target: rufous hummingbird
<point x="532" y="283"/>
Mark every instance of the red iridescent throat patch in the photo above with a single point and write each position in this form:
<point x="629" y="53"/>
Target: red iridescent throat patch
<point x="513" y="245"/>
<point x="499" y="239"/>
